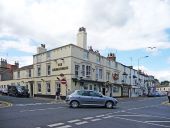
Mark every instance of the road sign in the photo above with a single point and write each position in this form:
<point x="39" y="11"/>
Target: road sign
<point x="63" y="81"/>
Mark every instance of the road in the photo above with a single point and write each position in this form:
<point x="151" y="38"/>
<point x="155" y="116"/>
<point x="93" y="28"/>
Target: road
<point x="40" y="113"/>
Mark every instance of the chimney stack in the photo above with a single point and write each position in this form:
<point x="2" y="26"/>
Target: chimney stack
<point x="111" y="56"/>
<point x="41" y="49"/>
<point x="82" y="38"/>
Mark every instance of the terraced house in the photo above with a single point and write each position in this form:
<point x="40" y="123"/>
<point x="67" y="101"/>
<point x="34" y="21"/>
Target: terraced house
<point x="71" y="67"/>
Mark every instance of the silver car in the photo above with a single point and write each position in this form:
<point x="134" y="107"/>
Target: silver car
<point x="89" y="98"/>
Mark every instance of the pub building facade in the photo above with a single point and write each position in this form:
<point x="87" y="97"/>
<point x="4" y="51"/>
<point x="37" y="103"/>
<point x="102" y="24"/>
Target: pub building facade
<point x="70" y="67"/>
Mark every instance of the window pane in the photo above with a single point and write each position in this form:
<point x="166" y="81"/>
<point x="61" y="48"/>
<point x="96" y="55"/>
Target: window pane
<point x="76" y="70"/>
<point x="83" y="70"/>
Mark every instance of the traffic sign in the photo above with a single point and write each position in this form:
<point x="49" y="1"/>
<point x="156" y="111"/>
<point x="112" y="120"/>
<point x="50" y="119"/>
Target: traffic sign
<point x="63" y="81"/>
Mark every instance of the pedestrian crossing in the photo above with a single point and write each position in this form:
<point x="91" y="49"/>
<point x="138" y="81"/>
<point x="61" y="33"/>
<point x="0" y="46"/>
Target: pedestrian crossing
<point x="78" y="122"/>
<point x="147" y="120"/>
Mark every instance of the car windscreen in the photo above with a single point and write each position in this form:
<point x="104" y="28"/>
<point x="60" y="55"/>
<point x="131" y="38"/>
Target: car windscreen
<point x="20" y="88"/>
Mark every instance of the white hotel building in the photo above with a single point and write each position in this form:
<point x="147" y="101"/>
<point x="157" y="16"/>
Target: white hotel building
<point x="73" y="67"/>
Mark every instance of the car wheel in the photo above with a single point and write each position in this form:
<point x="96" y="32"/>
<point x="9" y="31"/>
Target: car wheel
<point x="109" y="104"/>
<point x="74" y="104"/>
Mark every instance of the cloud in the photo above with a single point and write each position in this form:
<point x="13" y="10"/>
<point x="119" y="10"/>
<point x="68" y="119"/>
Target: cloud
<point x="161" y="75"/>
<point x="22" y="44"/>
<point x="113" y="24"/>
<point x="118" y="24"/>
<point x="23" y="60"/>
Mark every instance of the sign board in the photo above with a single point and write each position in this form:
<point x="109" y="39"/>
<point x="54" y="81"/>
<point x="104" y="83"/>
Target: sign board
<point x="61" y="68"/>
<point x="63" y="81"/>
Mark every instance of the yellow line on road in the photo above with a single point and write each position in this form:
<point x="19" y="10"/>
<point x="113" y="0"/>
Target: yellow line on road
<point x="5" y="104"/>
<point x="166" y="103"/>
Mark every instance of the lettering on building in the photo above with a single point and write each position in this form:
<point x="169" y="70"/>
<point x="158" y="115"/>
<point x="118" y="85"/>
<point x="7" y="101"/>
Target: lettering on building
<point x="61" y="68"/>
<point x="60" y="64"/>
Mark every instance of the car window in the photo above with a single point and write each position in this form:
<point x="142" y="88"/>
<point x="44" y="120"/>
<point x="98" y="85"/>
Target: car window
<point x="85" y="93"/>
<point x="95" y="94"/>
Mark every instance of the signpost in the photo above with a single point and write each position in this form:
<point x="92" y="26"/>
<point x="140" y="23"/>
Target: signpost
<point x="63" y="81"/>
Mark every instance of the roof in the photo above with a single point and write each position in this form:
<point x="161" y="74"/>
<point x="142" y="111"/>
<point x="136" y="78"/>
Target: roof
<point x="25" y="67"/>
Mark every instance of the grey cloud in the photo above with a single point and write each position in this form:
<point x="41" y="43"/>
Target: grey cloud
<point x="111" y="13"/>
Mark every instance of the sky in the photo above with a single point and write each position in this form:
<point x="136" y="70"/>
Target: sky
<point x="132" y="29"/>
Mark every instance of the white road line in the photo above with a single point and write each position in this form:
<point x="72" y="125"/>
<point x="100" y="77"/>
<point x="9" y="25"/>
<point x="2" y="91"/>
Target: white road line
<point x="135" y="115"/>
<point x="100" y="115"/>
<point x="41" y="109"/>
<point x="158" y="121"/>
<point x="73" y="121"/>
<point x="80" y="123"/>
<point x="142" y="122"/>
<point x="31" y="104"/>
<point x="162" y="117"/>
<point x="56" y="124"/>
<point x="66" y="126"/>
<point x="143" y="107"/>
<point x="88" y="118"/>
<point x="96" y="119"/>
<point x="108" y="113"/>
<point x="106" y="117"/>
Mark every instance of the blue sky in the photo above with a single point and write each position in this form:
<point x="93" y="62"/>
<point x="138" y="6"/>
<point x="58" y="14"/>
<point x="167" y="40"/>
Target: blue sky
<point x="125" y="27"/>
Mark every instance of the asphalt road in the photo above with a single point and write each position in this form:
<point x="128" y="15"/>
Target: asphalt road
<point x="40" y="113"/>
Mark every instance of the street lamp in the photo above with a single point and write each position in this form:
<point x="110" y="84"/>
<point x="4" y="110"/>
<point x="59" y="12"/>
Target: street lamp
<point x="140" y="59"/>
<point x="138" y="67"/>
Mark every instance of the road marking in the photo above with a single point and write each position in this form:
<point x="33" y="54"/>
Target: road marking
<point x="32" y="104"/>
<point x="80" y="123"/>
<point x="162" y="117"/>
<point x="66" y="126"/>
<point x="141" y="122"/>
<point x="56" y="124"/>
<point x="106" y="117"/>
<point x="158" y="121"/>
<point x="73" y="121"/>
<point x="88" y="118"/>
<point x="108" y="113"/>
<point x="96" y="119"/>
<point x="41" y="109"/>
<point x="100" y="115"/>
<point x="135" y="115"/>
<point x="143" y="107"/>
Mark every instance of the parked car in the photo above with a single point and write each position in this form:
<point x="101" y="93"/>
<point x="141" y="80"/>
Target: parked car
<point x="4" y="91"/>
<point x="157" y="94"/>
<point x="14" y="90"/>
<point x="89" y="98"/>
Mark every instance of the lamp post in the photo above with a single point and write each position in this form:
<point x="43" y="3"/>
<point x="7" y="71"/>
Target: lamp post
<point x="138" y="66"/>
<point x="140" y="59"/>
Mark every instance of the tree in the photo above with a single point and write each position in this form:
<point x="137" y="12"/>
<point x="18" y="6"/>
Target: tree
<point x="165" y="83"/>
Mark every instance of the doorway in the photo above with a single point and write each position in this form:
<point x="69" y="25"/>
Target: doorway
<point x="31" y="89"/>
<point x="103" y="91"/>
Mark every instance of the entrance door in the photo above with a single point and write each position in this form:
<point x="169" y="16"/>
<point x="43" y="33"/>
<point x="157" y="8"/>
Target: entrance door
<point x="31" y="89"/>
<point x="103" y="91"/>
<point x="58" y="87"/>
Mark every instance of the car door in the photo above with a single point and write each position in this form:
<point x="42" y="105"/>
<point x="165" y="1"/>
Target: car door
<point x="84" y="98"/>
<point x="97" y="99"/>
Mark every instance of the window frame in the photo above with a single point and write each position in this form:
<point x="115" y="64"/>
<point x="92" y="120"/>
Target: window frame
<point x="39" y="88"/>
<point x="48" y="69"/>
